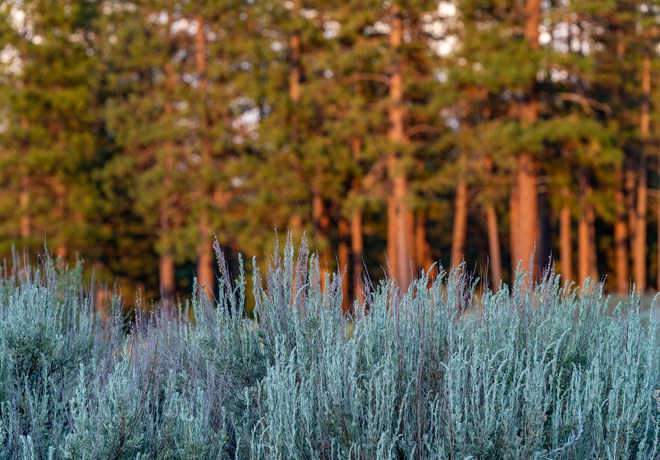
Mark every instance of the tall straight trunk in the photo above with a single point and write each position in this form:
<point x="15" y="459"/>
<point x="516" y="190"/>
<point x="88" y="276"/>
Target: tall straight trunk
<point x="495" y="261"/>
<point x="357" y="238"/>
<point x="167" y="276"/>
<point x="460" y="224"/>
<point x="295" y="57"/>
<point x="514" y="228"/>
<point x="565" y="238"/>
<point x="24" y="207"/>
<point x="399" y="215"/>
<point x="321" y="229"/>
<point x="204" y="243"/>
<point x="343" y="256"/>
<point x="422" y="247"/>
<point x="639" y="252"/>
<point x="166" y="269"/>
<point x="61" y="215"/>
<point x="357" y="255"/>
<point x="583" y="248"/>
<point x="166" y="272"/>
<point x="391" y="235"/>
<point x="620" y="237"/>
<point x="593" y="248"/>
<point x="205" y="271"/>
<point x="296" y="224"/>
<point x="528" y="207"/>
<point x="658" y="260"/>
<point x="25" y="189"/>
<point x="528" y="211"/>
<point x="295" y="78"/>
<point x="630" y="192"/>
<point x="586" y="235"/>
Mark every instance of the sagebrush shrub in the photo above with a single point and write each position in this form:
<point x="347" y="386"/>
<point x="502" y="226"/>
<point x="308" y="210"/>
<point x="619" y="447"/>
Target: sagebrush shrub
<point x="438" y="370"/>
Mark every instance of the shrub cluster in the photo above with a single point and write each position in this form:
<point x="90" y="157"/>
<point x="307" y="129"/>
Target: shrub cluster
<point x="442" y="370"/>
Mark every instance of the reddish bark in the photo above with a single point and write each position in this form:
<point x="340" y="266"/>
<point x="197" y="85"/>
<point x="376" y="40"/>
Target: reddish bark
<point x="460" y="224"/>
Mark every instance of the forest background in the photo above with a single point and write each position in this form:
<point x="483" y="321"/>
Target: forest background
<point x="392" y="133"/>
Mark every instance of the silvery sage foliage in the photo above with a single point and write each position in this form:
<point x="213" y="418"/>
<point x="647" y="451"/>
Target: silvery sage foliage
<point x="441" y="369"/>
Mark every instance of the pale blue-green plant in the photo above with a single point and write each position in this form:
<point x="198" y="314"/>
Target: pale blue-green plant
<point x="442" y="368"/>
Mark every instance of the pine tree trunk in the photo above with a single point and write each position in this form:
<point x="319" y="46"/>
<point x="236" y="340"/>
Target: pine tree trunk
<point x="514" y="226"/>
<point x="167" y="276"/>
<point x="528" y="209"/>
<point x="204" y="245"/>
<point x="61" y="216"/>
<point x="639" y="254"/>
<point x="583" y="248"/>
<point x="400" y="222"/>
<point x="495" y="259"/>
<point x="24" y="207"/>
<point x="422" y="247"/>
<point x="296" y="225"/>
<point x="343" y="255"/>
<point x="460" y="224"/>
<point x="205" y="272"/>
<point x="25" y="187"/>
<point x="391" y="235"/>
<point x="167" y="288"/>
<point x="586" y="234"/>
<point x="166" y="272"/>
<point x="631" y="190"/>
<point x="321" y="229"/>
<point x="357" y="255"/>
<point x="295" y="77"/>
<point x="357" y="243"/>
<point x="593" y="248"/>
<point x="620" y="237"/>
<point x="565" y="240"/>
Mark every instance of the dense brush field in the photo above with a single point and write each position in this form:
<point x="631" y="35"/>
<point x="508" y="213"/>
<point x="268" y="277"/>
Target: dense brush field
<point x="441" y="370"/>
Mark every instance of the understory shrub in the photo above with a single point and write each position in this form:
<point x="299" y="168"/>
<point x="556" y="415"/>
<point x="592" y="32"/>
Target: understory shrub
<point x="442" y="369"/>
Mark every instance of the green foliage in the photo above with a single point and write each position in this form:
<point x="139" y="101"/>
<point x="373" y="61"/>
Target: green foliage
<point x="438" y="370"/>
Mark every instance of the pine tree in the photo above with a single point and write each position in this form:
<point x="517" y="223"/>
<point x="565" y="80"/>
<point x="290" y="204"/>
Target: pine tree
<point x="146" y="115"/>
<point x="50" y="74"/>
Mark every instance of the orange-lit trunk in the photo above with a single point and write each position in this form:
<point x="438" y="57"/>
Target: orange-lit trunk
<point x="295" y="78"/>
<point x="166" y="272"/>
<point x="639" y="251"/>
<point x="167" y="275"/>
<point x="495" y="261"/>
<point x="321" y="229"/>
<point x="357" y="254"/>
<point x="514" y="226"/>
<point x="343" y="256"/>
<point x="166" y="267"/>
<point x="24" y="207"/>
<point x="357" y="242"/>
<point x="586" y="235"/>
<point x="205" y="262"/>
<point x="422" y="247"/>
<point x="24" y="192"/>
<point x="565" y="237"/>
<point x="460" y="224"/>
<point x="565" y="240"/>
<point x="62" y="216"/>
<point x="400" y="222"/>
<point x="528" y="210"/>
<point x="204" y="244"/>
<point x="620" y="237"/>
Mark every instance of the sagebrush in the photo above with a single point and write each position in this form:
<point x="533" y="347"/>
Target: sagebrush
<point x="444" y="369"/>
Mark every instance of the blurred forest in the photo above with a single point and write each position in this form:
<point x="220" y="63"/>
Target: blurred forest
<point x="393" y="133"/>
